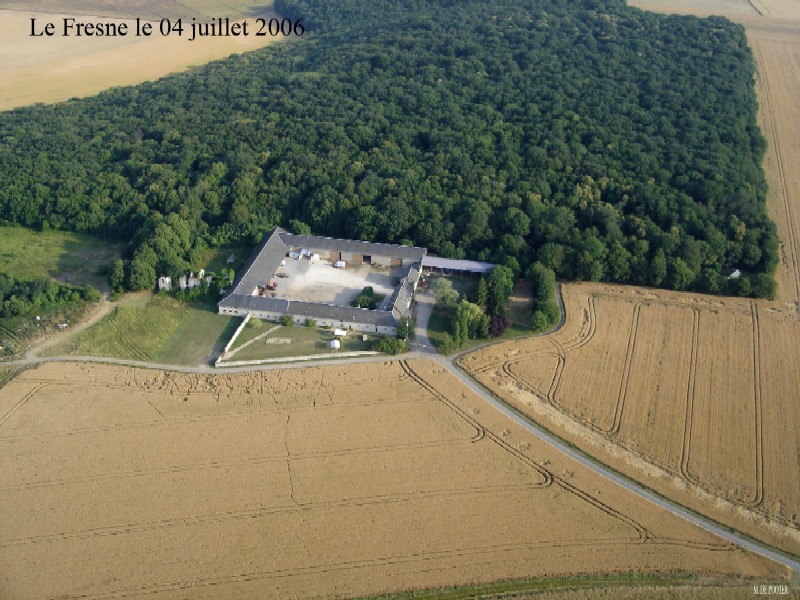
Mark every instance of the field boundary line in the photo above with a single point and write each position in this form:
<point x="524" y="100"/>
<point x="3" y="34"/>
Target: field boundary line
<point x="779" y="162"/>
<point x="690" y="390"/>
<point x="757" y="408"/>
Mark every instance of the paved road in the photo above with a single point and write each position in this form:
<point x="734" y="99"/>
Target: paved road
<point x="423" y="349"/>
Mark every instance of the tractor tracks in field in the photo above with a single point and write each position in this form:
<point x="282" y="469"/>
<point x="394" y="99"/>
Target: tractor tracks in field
<point x="779" y="158"/>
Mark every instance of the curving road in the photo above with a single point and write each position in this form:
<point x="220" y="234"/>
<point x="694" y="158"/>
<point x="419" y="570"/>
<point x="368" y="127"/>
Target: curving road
<point x="423" y="349"/>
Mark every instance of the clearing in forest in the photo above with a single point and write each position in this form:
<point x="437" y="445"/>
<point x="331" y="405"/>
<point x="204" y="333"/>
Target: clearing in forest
<point x="349" y="480"/>
<point x="75" y="258"/>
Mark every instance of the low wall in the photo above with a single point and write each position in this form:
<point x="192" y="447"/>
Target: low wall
<point x="283" y="359"/>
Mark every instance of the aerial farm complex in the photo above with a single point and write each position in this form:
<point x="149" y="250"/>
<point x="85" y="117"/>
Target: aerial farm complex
<point x="313" y="277"/>
<point x="310" y="277"/>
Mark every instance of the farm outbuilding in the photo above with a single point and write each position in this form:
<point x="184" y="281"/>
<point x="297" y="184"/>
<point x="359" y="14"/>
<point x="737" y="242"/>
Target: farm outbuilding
<point x="248" y="297"/>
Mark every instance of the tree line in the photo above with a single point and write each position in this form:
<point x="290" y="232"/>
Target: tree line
<point x="598" y="140"/>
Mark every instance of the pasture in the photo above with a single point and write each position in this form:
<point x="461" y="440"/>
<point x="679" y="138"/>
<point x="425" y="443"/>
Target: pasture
<point x="345" y="481"/>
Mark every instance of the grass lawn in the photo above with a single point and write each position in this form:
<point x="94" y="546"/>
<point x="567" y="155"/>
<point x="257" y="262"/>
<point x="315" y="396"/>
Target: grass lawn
<point x="137" y="329"/>
<point x="154" y="328"/>
<point x="304" y="341"/>
<point x="216" y="259"/>
<point x="68" y="257"/>
<point x="253" y="329"/>
<point x="200" y="332"/>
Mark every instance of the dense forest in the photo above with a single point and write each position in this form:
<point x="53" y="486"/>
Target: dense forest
<point x="602" y="141"/>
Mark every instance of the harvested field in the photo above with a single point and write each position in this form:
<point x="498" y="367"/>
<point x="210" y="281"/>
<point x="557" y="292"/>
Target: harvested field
<point x="337" y="481"/>
<point x="698" y="395"/>
<point x="59" y="68"/>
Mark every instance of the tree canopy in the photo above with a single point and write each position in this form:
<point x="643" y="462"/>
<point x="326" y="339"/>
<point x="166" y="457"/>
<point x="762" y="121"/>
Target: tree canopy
<point x="602" y="141"/>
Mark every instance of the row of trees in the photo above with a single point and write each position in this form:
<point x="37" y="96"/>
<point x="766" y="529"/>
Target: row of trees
<point x="602" y="141"/>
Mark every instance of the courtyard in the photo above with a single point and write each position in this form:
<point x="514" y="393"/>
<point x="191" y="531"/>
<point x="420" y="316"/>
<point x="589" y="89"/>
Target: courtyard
<point x="322" y="282"/>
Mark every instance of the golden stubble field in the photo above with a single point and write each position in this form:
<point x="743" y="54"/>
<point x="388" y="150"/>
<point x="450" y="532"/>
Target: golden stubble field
<point x="54" y="69"/>
<point x="339" y="481"/>
<point x="696" y="396"/>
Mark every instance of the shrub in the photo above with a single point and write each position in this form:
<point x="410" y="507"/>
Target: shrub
<point x="446" y="345"/>
<point x="390" y="345"/>
<point x="287" y="320"/>
<point x="255" y="323"/>
<point x="498" y="324"/>
<point x="311" y="322"/>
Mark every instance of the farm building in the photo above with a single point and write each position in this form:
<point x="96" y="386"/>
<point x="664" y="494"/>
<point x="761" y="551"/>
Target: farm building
<point x="294" y="275"/>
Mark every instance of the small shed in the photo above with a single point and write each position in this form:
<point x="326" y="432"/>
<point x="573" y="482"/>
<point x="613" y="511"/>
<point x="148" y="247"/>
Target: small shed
<point x="336" y="344"/>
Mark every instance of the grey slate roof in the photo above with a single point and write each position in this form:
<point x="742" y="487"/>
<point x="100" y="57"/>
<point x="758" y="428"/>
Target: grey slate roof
<point x="472" y="266"/>
<point x="266" y="259"/>
<point x="313" y="310"/>
<point x="262" y="264"/>
<point x="354" y="246"/>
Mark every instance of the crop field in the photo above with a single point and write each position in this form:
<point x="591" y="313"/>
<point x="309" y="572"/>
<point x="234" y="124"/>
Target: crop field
<point x="704" y="389"/>
<point x="58" y="68"/>
<point x="344" y="481"/>
<point x="146" y="9"/>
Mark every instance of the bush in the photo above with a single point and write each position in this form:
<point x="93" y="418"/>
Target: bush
<point x="540" y="322"/>
<point x="446" y="345"/>
<point x="311" y="322"/>
<point x="498" y="325"/>
<point x="287" y="321"/>
<point x="255" y="323"/>
<point x="390" y="345"/>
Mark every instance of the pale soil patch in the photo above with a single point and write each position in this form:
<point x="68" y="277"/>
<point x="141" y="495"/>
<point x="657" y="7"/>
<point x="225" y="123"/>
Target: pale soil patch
<point x="321" y="282"/>
<point x="338" y="481"/>
<point x="41" y="69"/>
